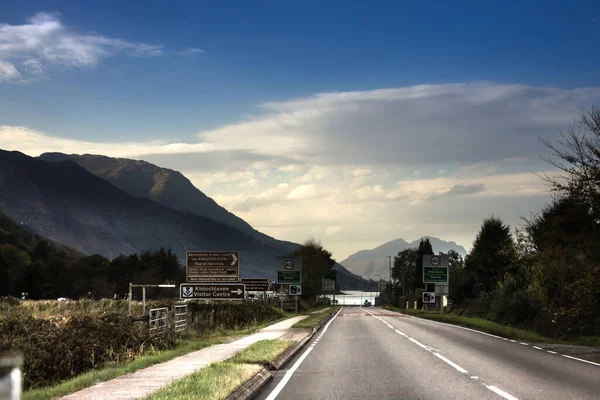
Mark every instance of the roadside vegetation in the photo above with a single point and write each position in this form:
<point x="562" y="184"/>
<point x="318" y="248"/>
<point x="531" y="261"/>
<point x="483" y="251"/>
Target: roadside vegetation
<point x="69" y="339"/>
<point x="218" y="380"/>
<point x="314" y="319"/>
<point x="542" y="277"/>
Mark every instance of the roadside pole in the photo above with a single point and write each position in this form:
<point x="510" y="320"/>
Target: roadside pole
<point x="281" y="297"/>
<point x="143" y="300"/>
<point x="130" y="294"/>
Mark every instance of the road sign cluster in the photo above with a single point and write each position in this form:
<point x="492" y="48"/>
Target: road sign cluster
<point x="214" y="275"/>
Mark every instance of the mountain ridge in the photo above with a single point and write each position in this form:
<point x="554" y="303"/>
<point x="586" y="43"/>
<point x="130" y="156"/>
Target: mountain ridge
<point x="368" y="263"/>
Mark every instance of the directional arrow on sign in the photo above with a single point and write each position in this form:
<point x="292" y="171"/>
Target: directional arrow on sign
<point x="238" y="292"/>
<point x="234" y="258"/>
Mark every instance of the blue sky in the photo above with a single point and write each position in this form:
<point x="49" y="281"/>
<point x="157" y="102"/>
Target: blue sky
<point x="393" y="115"/>
<point x="266" y="51"/>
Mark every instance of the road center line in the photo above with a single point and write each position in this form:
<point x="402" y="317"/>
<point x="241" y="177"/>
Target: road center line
<point x="457" y="367"/>
<point x="501" y="393"/>
<point x="273" y="395"/>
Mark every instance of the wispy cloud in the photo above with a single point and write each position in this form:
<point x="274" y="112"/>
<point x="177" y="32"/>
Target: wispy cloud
<point x="191" y="51"/>
<point x="348" y="160"/>
<point x="44" y="41"/>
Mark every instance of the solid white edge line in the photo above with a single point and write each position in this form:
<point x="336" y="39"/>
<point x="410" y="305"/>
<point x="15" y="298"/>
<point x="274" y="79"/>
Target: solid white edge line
<point x="501" y="393"/>
<point x="456" y="366"/>
<point x="579" y="359"/>
<point x="273" y="395"/>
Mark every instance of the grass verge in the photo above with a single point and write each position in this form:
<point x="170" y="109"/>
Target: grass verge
<point x="113" y="371"/>
<point x="216" y="381"/>
<point x="220" y="379"/>
<point x="314" y="319"/>
<point x="262" y="352"/>
<point x="494" y="328"/>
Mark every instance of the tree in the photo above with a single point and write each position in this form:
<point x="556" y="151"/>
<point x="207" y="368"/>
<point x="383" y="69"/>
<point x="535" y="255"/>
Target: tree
<point x="425" y="249"/>
<point x="577" y="155"/>
<point x="492" y="256"/>
<point x="315" y="262"/>
<point x="405" y="265"/>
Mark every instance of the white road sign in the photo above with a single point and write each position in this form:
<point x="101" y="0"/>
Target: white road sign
<point x="428" y="298"/>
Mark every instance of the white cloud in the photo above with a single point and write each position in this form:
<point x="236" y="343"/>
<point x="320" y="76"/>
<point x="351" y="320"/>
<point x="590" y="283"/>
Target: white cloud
<point x="303" y="192"/>
<point x="349" y="160"/>
<point x="8" y="72"/>
<point x="332" y="230"/>
<point x="44" y="40"/>
<point x="190" y="51"/>
<point x="34" y="66"/>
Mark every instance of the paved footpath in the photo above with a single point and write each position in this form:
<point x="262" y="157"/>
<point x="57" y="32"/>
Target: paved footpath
<point x="144" y="382"/>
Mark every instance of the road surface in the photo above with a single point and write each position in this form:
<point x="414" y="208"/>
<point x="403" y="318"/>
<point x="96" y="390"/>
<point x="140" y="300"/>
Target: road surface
<point x="371" y="353"/>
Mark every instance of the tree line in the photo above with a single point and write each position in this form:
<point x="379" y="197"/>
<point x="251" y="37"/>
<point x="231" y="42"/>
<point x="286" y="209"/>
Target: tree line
<point x="544" y="274"/>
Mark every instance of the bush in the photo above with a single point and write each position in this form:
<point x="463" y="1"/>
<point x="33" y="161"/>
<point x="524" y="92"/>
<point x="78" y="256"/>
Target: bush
<point x="221" y="316"/>
<point x="60" y="348"/>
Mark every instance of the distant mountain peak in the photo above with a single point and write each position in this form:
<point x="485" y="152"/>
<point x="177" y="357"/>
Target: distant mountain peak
<point x="368" y="263"/>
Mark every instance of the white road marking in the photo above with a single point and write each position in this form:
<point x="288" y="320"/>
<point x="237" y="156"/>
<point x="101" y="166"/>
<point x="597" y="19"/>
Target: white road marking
<point x="551" y="352"/>
<point x="273" y="395"/>
<point x="501" y="393"/>
<point x="418" y="343"/>
<point x="514" y="341"/>
<point x="456" y="366"/>
<point x="453" y="364"/>
<point x="537" y="348"/>
<point x="579" y="359"/>
<point x="524" y="344"/>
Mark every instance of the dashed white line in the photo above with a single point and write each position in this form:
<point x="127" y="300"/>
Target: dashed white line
<point x="418" y="343"/>
<point x="273" y="395"/>
<point x="579" y="359"/>
<point x="551" y="352"/>
<point x="456" y="366"/>
<point x="524" y="344"/>
<point x="537" y="348"/>
<point x="513" y="341"/>
<point x="501" y="393"/>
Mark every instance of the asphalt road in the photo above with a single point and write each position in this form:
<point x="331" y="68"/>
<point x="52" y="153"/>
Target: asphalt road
<point x="371" y="353"/>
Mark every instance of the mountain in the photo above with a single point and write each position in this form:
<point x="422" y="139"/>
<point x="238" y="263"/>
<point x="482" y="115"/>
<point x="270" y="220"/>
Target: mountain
<point x="67" y="203"/>
<point x="23" y="256"/>
<point x="368" y="263"/>
<point x="164" y="186"/>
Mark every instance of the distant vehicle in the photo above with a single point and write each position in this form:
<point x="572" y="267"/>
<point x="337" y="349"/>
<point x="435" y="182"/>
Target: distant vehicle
<point x="62" y="299"/>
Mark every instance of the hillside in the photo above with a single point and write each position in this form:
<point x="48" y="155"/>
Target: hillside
<point x="68" y="204"/>
<point x="368" y="263"/>
<point x="162" y="185"/>
<point x="65" y="202"/>
<point x="23" y="256"/>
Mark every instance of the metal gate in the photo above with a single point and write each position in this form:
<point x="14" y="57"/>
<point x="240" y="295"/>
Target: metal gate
<point x="158" y="320"/>
<point x="180" y="318"/>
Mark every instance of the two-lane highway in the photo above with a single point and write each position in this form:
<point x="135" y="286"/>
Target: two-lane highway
<point x="371" y="353"/>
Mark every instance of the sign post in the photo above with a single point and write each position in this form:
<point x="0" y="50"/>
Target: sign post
<point x="435" y="270"/>
<point x="212" y="266"/>
<point x="289" y="272"/>
<point x="212" y="291"/>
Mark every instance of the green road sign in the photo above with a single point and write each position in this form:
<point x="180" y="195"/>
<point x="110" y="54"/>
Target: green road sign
<point x="435" y="274"/>
<point x="289" y="277"/>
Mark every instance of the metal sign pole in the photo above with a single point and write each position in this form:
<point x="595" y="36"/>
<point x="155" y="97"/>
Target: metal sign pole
<point x="296" y="297"/>
<point x="143" y="300"/>
<point x="281" y="298"/>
